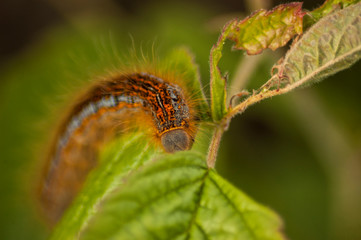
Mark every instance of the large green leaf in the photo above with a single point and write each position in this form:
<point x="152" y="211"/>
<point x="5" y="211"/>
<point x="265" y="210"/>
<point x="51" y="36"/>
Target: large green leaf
<point x="178" y="197"/>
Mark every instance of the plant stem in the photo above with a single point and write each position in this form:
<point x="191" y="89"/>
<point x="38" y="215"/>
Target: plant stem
<point x="216" y="139"/>
<point x="224" y="123"/>
<point x="213" y="147"/>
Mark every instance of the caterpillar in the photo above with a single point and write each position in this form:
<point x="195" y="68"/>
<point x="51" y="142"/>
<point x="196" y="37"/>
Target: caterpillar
<point x="97" y="117"/>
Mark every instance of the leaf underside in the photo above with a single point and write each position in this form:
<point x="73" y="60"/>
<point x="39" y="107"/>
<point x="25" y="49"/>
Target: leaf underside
<point x="329" y="46"/>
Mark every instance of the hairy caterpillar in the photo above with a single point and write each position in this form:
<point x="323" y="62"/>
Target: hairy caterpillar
<point x="97" y="117"/>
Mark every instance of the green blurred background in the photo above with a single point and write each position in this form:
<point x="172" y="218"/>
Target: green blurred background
<point x="299" y="154"/>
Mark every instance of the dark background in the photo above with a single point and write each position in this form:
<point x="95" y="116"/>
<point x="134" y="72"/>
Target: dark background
<point x="299" y="154"/>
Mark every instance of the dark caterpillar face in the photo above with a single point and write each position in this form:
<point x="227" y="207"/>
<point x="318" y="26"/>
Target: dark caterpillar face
<point x="176" y="140"/>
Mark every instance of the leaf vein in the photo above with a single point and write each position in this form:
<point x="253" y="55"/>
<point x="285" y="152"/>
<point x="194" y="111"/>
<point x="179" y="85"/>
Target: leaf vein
<point x="249" y="229"/>
<point x="155" y="199"/>
<point x="198" y="203"/>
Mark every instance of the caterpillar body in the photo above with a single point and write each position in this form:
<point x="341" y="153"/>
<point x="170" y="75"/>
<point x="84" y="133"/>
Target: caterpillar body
<point x="96" y="119"/>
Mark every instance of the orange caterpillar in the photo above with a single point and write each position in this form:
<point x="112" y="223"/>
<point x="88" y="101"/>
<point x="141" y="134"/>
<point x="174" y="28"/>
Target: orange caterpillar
<point x="94" y="120"/>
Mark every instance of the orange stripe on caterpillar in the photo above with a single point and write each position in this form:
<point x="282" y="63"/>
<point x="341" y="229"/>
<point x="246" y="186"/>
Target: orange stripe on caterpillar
<point x="98" y="117"/>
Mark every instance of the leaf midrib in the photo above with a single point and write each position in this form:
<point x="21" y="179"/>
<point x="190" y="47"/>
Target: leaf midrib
<point x="198" y="204"/>
<point x="251" y="233"/>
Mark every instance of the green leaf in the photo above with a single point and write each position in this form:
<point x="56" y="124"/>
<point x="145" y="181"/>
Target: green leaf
<point x="218" y="82"/>
<point x="117" y="161"/>
<point x="329" y="46"/>
<point x="182" y="61"/>
<point x="267" y="29"/>
<point x="263" y="29"/>
<point x="178" y="197"/>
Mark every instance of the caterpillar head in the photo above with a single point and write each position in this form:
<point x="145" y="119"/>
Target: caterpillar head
<point x="176" y="140"/>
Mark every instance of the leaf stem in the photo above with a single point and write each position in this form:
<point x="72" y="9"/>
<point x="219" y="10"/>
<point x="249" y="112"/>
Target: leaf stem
<point x="213" y="148"/>
<point x="257" y="96"/>
<point x="216" y="139"/>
